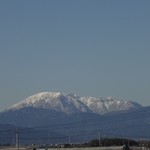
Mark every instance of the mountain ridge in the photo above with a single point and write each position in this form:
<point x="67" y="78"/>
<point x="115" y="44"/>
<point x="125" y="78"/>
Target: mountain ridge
<point x="71" y="103"/>
<point x="69" y="115"/>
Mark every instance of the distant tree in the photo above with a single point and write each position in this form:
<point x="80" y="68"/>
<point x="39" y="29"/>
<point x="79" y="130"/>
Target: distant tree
<point x="112" y="142"/>
<point x="94" y="143"/>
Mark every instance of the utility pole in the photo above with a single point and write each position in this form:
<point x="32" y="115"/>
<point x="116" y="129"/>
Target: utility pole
<point x="17" y="138"/>
<point x="69" y="140"/>
<point x="99" y="139"/>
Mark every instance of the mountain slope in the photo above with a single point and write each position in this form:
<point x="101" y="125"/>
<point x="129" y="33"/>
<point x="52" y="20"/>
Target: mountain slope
<point x="78" y="126"/>
<point x="70" y="103"/>
<point x="53" y="101"/>
<point x="55" y="117"/>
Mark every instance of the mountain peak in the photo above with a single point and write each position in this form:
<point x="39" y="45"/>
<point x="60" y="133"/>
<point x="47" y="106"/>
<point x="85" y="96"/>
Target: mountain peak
<point x="71" y="103"/>
<point x="45" y="94"/>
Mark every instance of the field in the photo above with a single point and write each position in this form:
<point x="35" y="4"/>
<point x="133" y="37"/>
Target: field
<point x="77" y="148"/>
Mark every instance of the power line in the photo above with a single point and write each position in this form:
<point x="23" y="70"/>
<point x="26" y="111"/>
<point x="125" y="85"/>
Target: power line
<point x="88" y="123"/>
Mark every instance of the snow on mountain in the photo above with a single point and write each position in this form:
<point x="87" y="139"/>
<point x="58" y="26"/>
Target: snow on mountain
<point x="71" y="103"/>
<point x="54" y="101"/>
<point x="108" y="104"/>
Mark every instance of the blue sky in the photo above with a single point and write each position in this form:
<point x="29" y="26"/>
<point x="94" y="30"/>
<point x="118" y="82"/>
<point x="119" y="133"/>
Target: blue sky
<point x="90" y="48"/>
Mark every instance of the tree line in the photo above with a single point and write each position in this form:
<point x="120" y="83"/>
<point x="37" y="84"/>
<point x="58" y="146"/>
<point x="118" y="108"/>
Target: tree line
<point x="118" y="142"/>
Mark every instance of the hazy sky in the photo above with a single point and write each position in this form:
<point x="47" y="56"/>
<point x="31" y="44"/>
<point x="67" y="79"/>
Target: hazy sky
<point x="90" y="48"/>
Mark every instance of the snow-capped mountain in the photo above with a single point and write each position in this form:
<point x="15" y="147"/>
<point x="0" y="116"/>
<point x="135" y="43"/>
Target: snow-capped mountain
<point x="71" y="103"/>
<point x="69" y="115"/>
<point x="108" y="104"/>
